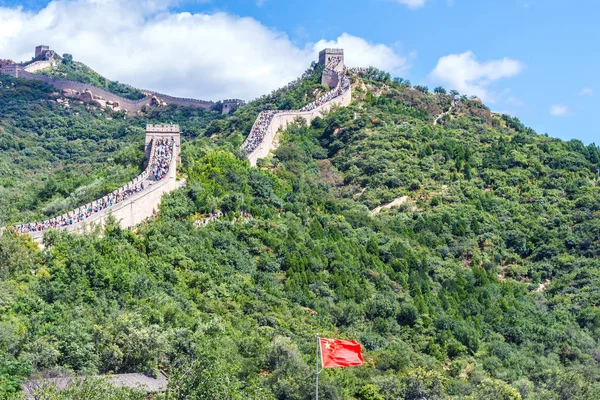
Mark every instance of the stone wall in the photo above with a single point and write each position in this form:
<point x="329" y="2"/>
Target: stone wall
<point x="330" y="78"/>
<point x="283" y="119"/>
<point x="162" y="131"/>
<point x="269" y="122"/>
<point x="140" y="205"/>
<point x="180" y="101"/>
<point x="129" y="212"/>
<point x="124" y="104"/>
<point x="38" y="65"/>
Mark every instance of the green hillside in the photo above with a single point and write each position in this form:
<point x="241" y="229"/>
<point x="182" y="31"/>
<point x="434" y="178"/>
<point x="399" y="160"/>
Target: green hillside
<point x="67" y="69"/>
<point x="483" y="283"/>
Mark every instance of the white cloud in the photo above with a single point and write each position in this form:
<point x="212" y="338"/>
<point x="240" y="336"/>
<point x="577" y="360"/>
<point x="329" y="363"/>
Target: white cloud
<point x="559" y="110"/>
<point x="143" y="43"/>
<point x="586" y="92"/>
<point x="466" y="74"/>
<point x="412" y="3"/>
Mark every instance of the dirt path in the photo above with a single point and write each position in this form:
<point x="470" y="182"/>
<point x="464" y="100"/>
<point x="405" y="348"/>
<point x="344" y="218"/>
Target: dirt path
<point x="395" y="203"/>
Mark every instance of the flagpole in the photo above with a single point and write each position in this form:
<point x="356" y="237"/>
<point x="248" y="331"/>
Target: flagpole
<point x="317" y="370"/>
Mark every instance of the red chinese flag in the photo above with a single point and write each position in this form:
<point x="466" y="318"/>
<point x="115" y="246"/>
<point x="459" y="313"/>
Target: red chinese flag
<point x="340" y="353"/>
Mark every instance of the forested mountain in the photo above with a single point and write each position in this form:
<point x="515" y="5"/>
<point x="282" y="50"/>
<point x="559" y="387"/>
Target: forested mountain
<point x="482" y="283"/>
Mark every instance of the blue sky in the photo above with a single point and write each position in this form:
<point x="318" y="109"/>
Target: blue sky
<point x="534" y="59"/>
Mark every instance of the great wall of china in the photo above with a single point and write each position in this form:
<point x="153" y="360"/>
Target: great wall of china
<point x="263" y="135"/>
<point x="133" y="202"/>
<point x="139" y="199"/>
<point x="44" y="58"/>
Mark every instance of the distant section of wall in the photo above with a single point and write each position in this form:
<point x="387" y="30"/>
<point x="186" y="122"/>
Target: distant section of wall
<point x="263" y="134"/>
<point x="180" y="101"/>
<point x="124" y="104"/>
<point x="38" y="65"/>
<point x="229" y="104"/>
<point x="44" y="58"/>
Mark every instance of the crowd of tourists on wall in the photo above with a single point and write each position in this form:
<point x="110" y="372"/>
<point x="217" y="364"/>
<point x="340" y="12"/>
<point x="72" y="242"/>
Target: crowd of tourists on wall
<point x="261" y="125"/>
<point x="334" y="62"/>
<point x="338" y="91"/>
<point x="359" y="70"/>
<point x="259" y="129"/>
<point x="157" y="169"/>
<point x="161" y="158"/>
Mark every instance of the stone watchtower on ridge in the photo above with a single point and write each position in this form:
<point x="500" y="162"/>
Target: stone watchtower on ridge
<point x="39" y="50"/>
<point x="334" y="59"/>
<point x="43" y="52"/>
<point x="229" y="104"/>
<point x="327" y="55"/>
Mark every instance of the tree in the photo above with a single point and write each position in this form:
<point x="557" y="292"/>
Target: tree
<point x="497" y="390"/>
<point x="67" y="59"/>
<point x="439" y="90"/>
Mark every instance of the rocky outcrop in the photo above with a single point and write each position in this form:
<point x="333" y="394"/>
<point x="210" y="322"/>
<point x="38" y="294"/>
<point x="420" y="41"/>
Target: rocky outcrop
<point x="90" y="98"/>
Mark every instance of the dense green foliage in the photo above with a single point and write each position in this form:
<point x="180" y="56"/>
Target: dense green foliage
<point x="78" y="72"/>
<point x="483" y="284"/>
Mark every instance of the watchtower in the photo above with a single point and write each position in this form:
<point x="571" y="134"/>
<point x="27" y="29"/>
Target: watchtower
<point x="41" y="50"/>
<point x="333" y="60"/>
<point x="164" y="131"/>
<point x="228" y="105"/>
